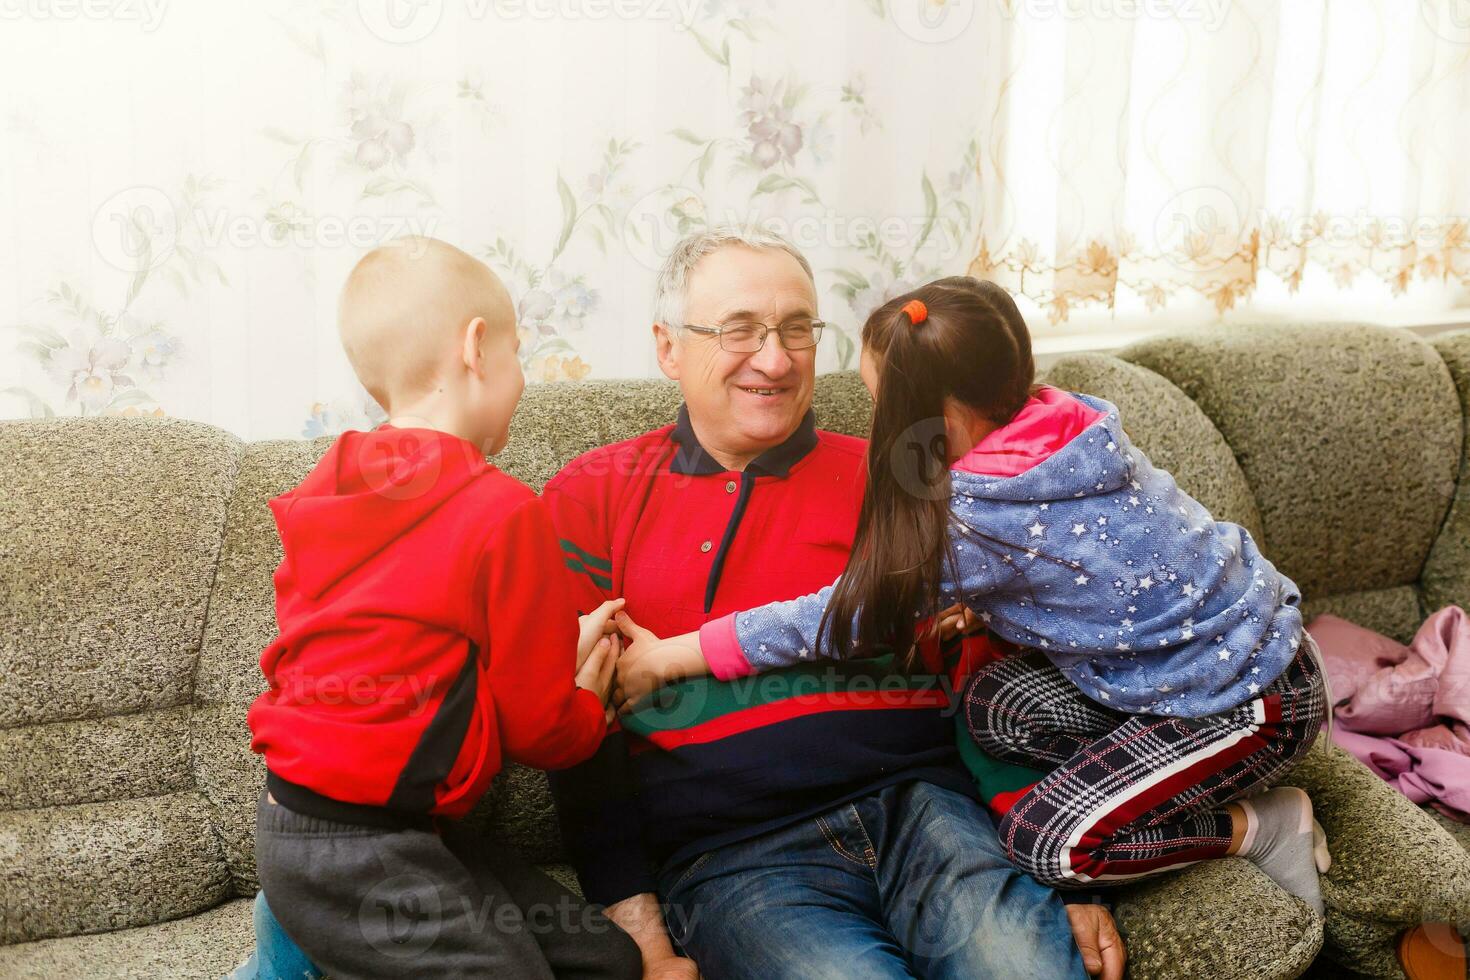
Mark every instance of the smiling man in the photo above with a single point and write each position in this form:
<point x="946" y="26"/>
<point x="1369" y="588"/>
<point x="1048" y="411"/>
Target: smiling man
<point x="801" y="827"/>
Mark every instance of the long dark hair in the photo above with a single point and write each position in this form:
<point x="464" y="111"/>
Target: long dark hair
<point x="973" y="347"/>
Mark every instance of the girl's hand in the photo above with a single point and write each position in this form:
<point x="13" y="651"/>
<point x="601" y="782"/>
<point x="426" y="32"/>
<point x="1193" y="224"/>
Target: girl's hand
<point x="595" y="625"/>
<point x="648" y="663"/>
<point x="955" y="620"/>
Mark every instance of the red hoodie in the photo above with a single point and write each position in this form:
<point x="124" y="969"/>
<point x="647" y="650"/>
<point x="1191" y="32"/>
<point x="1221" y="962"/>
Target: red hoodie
<point x="426" y="632"/>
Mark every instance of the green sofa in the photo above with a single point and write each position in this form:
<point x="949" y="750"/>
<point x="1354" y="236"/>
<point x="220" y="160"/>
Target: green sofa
<point x="136" y="559"/>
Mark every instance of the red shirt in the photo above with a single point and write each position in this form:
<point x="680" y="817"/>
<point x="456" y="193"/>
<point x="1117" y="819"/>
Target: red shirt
<point x="426" y="633"/>
<point x="658" y="521"/>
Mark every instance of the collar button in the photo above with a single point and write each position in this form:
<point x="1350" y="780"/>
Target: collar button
<point x="730" y="487"/>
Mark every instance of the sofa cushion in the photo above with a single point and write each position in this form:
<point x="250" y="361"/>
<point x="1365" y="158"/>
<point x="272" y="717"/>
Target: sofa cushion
<point x="99" y="866"/>
<point x="1172" y="430"/>
<point x="1163" y="944"/>
<point x="1348" y="437"/>
<point x="109" y="531"/>
<point x="1446" y="578"/>
<point x="94" y="759"/>
<point x="207" y="945"/>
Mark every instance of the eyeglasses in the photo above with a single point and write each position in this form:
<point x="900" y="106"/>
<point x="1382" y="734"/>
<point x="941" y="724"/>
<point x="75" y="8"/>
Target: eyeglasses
<point x="744" y="337"/>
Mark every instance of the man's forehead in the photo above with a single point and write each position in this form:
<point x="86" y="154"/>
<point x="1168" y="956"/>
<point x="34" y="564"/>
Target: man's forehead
<point x="735" y="283"/>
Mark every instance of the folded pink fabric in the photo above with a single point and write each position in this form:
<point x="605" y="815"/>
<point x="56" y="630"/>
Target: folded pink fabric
<point x="1404" y="711"/>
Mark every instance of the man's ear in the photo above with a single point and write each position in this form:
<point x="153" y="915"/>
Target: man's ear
<point x="474" y="345"/>
<point x="666" y="347"/>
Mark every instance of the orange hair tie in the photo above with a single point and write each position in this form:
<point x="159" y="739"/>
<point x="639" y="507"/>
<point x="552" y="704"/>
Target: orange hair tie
<point x="917" y="311"/>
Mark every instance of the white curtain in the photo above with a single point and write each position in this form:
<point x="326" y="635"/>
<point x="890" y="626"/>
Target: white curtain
<point x="183" y="186"/>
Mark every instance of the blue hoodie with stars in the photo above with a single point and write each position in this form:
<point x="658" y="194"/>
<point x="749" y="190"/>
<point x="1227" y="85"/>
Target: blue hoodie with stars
<point x="1094" y="557"/>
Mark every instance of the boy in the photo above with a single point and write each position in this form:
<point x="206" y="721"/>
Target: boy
<point x="426" y="634"/>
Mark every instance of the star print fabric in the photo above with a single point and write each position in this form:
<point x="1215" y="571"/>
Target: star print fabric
<point x="1096" y="558"/>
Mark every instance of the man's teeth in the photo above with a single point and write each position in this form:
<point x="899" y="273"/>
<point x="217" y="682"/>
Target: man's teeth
<point x="761" y="391"/>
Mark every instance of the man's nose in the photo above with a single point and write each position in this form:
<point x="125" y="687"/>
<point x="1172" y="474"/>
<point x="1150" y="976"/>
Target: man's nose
<point x="773" y="359"/>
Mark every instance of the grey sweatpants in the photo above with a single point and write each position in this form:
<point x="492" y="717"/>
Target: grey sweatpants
<point x="369" y="902"/>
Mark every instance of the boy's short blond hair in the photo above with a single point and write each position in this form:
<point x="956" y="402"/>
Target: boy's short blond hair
<point x="403" y="311"/>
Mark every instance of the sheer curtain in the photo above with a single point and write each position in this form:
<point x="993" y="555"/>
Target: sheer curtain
<point x="184" y="187"/>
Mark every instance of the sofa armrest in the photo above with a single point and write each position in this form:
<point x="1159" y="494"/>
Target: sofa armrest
<point x="1392" y="865"/>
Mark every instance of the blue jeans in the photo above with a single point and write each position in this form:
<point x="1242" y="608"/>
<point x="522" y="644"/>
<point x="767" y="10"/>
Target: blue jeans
<point x="907" y="882"/>
<point x="276" y="957"/>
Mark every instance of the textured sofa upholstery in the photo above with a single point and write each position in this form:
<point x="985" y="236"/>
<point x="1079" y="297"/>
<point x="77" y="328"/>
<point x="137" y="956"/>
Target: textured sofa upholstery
<point x="136" y="556"/>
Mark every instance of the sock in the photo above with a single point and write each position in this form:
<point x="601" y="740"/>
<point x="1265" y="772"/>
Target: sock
<point x="1279" y="840"/>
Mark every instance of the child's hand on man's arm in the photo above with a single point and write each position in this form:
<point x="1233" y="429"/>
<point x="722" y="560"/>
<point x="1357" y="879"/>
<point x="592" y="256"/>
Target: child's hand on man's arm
<point x="648" y="663"/>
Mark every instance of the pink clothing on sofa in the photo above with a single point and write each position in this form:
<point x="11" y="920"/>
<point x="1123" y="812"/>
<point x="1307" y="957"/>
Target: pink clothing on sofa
<point x="1404" y="711"/>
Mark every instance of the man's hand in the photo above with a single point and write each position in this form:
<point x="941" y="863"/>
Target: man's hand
<point x="596" y="624"/>
<point x="641" y="918"/>
<point x="648" y="663"/>
<point x="672" y="968"/>
<point x="1097" y="937"/>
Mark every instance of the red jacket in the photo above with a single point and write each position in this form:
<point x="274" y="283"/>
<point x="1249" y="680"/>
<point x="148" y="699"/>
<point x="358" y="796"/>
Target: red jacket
<point x="426" y="632"/>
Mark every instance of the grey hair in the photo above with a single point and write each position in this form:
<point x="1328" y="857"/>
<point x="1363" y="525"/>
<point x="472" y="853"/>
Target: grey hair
<point x="671" y="292"/>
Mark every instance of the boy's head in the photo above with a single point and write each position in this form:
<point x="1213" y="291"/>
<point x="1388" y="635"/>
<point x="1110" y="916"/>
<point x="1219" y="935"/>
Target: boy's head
<point x="431" y="333"/>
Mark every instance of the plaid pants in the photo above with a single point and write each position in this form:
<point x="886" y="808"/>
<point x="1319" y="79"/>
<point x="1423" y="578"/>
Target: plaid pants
<point x="1131" y="795"/>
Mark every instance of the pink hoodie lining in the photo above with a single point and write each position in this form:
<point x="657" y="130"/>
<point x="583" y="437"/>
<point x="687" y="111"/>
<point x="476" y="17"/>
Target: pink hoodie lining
<point x="721" y="648"/>
<point x="1048" y="421"/>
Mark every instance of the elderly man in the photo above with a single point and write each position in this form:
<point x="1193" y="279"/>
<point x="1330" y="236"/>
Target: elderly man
<point x="801" y="829"/>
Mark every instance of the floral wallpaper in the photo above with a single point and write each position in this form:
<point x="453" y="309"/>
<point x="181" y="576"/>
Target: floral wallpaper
<point x="189" y="184"/>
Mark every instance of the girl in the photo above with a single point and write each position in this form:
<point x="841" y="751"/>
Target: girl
<point x="1169" y="677"/>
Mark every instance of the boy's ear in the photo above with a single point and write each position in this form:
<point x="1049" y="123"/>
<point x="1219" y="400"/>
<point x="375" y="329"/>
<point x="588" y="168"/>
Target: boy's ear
<point x="474" y="345"/>
<point x="663" y="346"/>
